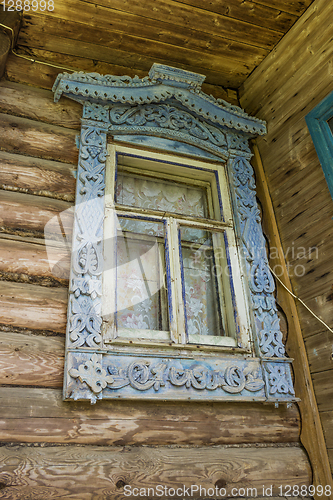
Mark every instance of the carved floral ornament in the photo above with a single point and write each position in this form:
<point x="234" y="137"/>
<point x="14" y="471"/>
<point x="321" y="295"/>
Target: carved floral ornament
<point x="168" y="104"/>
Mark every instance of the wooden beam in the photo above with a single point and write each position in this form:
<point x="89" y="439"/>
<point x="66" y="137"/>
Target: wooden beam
<point x="102" y="472"/>
<point x="311" y="434"/>
<point x="38" y="104"/>
<point x="39" y="415"/>
<point x="34" y="138"/>
<point x="33" y="307"/>
<point x="37" y="176"/>
<point x="30" y="262"/>
<point x="27" y="214"/>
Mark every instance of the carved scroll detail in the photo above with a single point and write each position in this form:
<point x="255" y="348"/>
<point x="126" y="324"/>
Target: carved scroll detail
<point x="85" y="320"/>
<point x="261" y="282"/>
<point x="142" y="376"/>
<point x="168" y="118"/>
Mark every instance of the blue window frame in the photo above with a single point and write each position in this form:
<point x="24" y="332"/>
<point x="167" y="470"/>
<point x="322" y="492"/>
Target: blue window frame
<point x="320" y="125"/>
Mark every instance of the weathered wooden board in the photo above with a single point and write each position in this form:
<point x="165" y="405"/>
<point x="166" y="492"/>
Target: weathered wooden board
<point x="37" y="176"/>
<point x="323" y="385"/>
<point x="321" y="305"/>
<point x="311" y="431"/>
<point x="40" y="415"/>
<point x="327" y="421"/>
<point x="169" y="16"/>
<point x="319" y="350"/>
<point x="130" y="29"/>
<point x="33" y="307"/>
<point x="230" y="72"/>
<point x="27" y="214"/>
<point x="293" y="6"/>
<point x="311" y="31"/>
<point x="254" y="13"/>
<point x="38" y="104"/>
<point x="29" y="262"/>
<point x="102" y="472"/>
<point x="31" y="360"/>
<point x="34" y="138"/>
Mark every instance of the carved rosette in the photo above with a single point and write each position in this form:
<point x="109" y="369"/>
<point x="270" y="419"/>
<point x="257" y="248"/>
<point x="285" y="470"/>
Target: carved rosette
<point x="269" y="337"/>
<point x="84" y="318"/>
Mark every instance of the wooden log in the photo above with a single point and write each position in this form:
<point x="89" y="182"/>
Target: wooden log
<point x="102" y="472"/>
<point x="33" y="307"/>
<point x="32" y="262"/>
<point x="28" y="214"/>
<point x="38" y="104"/>
<point x="39" y="415"/>
<point x="34" y="138"/>
<point x="31" y="360"/>
<point x="37" y="176"/>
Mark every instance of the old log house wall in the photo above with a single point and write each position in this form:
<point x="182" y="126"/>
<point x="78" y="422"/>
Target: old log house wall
<point x="291" y="81"/>
<point x="140" y="444"/>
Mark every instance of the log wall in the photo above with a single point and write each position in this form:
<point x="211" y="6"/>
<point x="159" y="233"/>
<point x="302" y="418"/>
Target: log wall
<point x="56" y="449"/>
<point x="291" y="81"/>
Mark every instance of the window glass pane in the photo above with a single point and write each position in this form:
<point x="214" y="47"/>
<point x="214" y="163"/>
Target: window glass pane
<point x="157" y="194"/>
<point x="141" y="275"/>
<point x="202" y="264"/>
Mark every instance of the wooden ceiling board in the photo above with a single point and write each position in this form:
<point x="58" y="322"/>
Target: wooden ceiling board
<point x="222" y="39"/>
<point x="232" y="75"/>
<point x="248" y="11"/>
<point x="172" y="14"/>
<point x="296" y="7"/>
<point x="128" y="26"/>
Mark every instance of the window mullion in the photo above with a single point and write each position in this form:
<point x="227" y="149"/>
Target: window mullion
<point x="109" y="275"/>
<point x="177" y="317"/>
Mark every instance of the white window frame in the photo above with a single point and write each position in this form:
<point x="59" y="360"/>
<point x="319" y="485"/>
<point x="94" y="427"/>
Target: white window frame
<point x="179" y="168"/>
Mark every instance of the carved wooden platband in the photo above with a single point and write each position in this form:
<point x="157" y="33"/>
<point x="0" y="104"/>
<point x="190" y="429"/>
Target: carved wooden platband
<point x="167" y="105"/>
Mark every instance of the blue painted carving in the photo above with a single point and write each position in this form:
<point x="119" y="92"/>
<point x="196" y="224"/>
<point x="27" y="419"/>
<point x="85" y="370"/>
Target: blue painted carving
<point x="170" y="106"/>
<point x="168" y="378"/>
<point x="84" y="318"/>
<point x="268" y="335"/>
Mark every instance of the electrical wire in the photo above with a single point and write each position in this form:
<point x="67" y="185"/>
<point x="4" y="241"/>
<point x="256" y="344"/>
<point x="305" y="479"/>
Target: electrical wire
<point x="29" y="58"/>
<point x="301" y="301"/>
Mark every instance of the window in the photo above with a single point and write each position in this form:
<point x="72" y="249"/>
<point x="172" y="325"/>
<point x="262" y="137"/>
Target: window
<point x="320" y="124"/>
<point x="170" y="294"/>
<point x="172" y="267"/>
